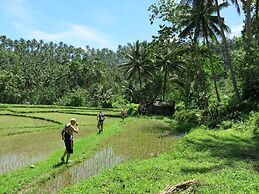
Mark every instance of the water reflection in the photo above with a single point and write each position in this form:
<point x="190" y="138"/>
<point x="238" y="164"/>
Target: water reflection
<point x="104" y="159"/>
<point x="12" y="161"/>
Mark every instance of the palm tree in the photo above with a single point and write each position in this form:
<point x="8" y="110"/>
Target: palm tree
<point x="168" y="60"/>
<point x="248" y="20"/>
<point x="138" y="63"/>
<point x="225" y="49"/>
<point x="200" y="21"/>
<point x="226" y="54"/>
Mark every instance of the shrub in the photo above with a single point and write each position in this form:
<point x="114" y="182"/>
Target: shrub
<point x="184" y="120"/>
<point x="132" y="109"/>
<point x="77" y="97"/>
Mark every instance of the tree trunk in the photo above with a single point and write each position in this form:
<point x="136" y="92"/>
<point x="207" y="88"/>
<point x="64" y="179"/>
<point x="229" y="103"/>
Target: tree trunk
<point x="213" y="71"/>
<point x="257" y="20"/>
<point x="248" y="21"/>
<point x="227" y="55"/>
<point x="139" y="77"/>
<point x="165" y="79"/>
<point x="140" y="83"/>
<point x="203" y="101"/>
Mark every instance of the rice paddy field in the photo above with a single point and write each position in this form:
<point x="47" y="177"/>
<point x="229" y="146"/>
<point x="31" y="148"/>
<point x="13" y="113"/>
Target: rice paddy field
<point x="137" y="155"/>
<point x="30" y="157"/>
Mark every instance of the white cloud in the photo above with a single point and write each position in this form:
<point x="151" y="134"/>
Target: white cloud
<point x="77" y="35"/>
<point x="236" y="30"/>
<point x="21" y="19"/>
<point x="17" y="9"/>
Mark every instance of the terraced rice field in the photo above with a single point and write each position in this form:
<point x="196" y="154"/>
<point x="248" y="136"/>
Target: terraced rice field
<point x="33" y="146"/>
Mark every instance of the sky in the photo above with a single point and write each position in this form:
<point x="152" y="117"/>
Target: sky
<point x="96" y="23"/>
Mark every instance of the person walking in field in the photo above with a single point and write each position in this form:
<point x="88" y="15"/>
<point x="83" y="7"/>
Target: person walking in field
<point x="100" y="119"/>
<point x="123" y="114"/>
<point x="67" y="136"/>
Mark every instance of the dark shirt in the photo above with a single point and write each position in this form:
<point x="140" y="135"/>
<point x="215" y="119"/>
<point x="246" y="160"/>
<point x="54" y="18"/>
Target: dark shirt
<point x="100" y="117"/>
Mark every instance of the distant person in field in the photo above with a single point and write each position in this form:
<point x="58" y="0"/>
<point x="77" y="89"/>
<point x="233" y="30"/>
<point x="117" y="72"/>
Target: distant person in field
<point x="123" y="114"/>
<point x="141" y="109"/>
<point x="67" y="136"/>
<point x="100" y="120"/>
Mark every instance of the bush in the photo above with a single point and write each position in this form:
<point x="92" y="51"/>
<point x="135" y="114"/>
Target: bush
<point x="184" y="120"/>
<point x="132" y="109"/>
<point x="77" y="97"/>
<point x="119" y="102"/>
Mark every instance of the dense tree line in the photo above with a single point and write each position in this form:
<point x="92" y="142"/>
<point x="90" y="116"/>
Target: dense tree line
<point x="190" y="61"/>
<point x="45" y="73"/>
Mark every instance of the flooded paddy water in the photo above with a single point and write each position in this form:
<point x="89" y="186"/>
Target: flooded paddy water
<point x="106" y="158"/>
<point x="24" y="149"/>
<point x="135" y="142"/>
<point x="143" y="139"/>
<point x="28" y="144"/>
<point x="11" y="124"/>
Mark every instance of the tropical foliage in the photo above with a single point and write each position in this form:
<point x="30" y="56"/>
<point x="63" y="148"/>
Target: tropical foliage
<point x="183" y="63"/>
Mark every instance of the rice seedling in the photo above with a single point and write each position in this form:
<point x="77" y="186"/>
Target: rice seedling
<point x="20" y="122"/>
<point x="28" y="148"/>
<point x="100" y="161"/>
<point x="84" y="120"/>
<point x="142" y="139"/>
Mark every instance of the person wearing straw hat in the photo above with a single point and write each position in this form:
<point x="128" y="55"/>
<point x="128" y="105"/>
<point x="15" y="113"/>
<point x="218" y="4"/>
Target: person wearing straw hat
<point x="67" y="136"/>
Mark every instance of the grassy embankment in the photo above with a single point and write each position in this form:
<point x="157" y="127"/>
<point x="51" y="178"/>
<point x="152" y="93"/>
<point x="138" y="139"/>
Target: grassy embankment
<point x="222" y="160"/>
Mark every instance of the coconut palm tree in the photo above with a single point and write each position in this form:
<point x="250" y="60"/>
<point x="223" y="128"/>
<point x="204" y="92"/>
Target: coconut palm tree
<point x="138" y="62"/>
<point x="248" y="20"/>
<point x="225" y="49"/>
<point x="226" y="54"/>
<point x="202" y="23"/>
<point x="168" y="59"/>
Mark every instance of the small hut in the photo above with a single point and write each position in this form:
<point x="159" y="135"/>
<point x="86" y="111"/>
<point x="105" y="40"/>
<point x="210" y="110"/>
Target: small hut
<point x="159" y="107"/>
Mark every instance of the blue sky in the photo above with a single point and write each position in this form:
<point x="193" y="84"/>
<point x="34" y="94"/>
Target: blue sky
<point x="97" y="23"/>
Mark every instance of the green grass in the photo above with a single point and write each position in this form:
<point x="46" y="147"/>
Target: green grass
<point x="224" y="161"/>
<point x="29" y="139"/>
<point x="10" y="125"/>
<point x="25" y="107"/>
<point x="142" y="138"/>
<point x="62" y="110"/>
<point x="2" y="112"/>
<point x="20" y="122"/>
<point x="28" y="179"/>
<point x="84" y="120"/>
